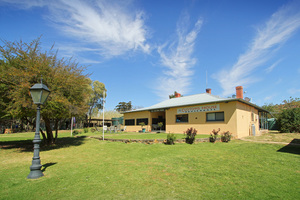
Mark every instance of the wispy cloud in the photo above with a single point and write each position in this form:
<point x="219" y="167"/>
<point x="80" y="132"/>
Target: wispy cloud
<point x="270" y="69"/>
<point x="113" y="28"/>
<point x="177" y="59"/>
<point x="279" y="28"/>
<point x="294" y="91"/>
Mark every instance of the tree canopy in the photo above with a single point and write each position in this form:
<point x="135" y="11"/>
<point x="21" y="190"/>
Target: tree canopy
<point x="22" y="65"/>
<point x="287" y="114"/>
<point x="96" y="97"/>
<point x="123" y="106"/>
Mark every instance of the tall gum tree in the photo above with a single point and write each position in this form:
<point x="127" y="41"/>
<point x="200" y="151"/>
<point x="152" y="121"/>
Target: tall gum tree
<point x="96" y="98"/>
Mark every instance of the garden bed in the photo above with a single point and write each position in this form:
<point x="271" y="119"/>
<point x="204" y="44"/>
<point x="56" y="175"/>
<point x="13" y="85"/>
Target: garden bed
<point x="150" y="141"/>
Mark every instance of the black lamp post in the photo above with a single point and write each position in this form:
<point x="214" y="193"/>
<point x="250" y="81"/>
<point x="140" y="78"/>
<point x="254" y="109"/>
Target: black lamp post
<point x="39" y="93"/>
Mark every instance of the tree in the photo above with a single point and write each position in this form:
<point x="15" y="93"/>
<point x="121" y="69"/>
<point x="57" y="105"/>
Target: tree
<point x="289" y="120"/>
<point x="123" y="106"/>
<point x="278" y="108"/>
<point x="23" y="65"/>
<point x="96" y="98"/>
<point x="287" y="114"/>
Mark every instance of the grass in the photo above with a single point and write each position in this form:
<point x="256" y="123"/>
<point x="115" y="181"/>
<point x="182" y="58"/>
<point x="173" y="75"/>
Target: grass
<point x="275" y="136"/>
<point x="85" y="168"/>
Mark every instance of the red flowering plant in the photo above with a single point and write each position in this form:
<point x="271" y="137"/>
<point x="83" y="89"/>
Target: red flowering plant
<point x="190" y="135"/>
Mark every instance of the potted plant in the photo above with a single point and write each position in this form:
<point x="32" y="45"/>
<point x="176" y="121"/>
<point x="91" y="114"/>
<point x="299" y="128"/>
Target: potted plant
<point x="160" y="124"/>
<point x="142" y="124"/>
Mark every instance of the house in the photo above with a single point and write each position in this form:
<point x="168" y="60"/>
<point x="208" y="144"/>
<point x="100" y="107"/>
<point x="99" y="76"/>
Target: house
<point x="204" y="112"/>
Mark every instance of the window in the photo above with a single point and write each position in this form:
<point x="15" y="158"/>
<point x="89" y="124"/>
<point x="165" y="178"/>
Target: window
<point x="182" y="118"/>
<point x="145" y="120"/>
<point x="217" y="116"/>
<point x="129" y="122"/>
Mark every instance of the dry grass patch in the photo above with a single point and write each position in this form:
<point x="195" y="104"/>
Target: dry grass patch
<point x="275" y="136"/>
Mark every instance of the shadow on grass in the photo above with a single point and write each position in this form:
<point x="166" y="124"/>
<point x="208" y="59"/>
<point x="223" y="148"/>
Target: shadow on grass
<point x="27" y="145"/>
<point x="293" y="147"/>
<point x="45" y="166"/>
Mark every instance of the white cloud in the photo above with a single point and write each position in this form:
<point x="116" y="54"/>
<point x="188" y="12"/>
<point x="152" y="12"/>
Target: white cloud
<point x="270" y="69"/>
<point x="278" y="81"/>
<point x="293" y="91"/>
<point x="268" y="98"/>
<point x="269" y="38"/>
<point x="176" y="57"/>
<point x="111" y="27"/>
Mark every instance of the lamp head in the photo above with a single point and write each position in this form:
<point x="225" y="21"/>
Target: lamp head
<point x="39" y="93"/>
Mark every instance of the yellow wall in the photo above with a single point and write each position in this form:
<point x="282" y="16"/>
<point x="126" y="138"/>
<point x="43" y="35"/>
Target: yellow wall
<point x="137" y="115"/>
<point x="246" y="116"/>
<point x="198" y="120"/>
<point x="237" y="120"/>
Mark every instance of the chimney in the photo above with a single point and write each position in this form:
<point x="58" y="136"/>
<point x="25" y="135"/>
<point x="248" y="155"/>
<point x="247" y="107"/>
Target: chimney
<point x="177" y="95"/>
<point x="208" y="90"/>
<point x="239" y="92"/>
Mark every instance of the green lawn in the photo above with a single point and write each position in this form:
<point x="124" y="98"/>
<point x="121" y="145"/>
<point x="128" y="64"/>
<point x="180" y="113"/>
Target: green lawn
<point x="86" y="168"/>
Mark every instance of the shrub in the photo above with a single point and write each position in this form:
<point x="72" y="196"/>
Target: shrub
<point x="76" y="132"/>
<point x="93" y="129"/>
<point x="214" y="135"/>
<point x="289" y="121"/>
<point x="226" y="136"/>
<point x="190" y="135"/>
<point x="170" y="139"/>
<point x="85" y="130"/>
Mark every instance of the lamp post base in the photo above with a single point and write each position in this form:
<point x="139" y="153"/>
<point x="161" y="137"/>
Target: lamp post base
<point x="35" y="169"/>
<point x="35" y="174"/>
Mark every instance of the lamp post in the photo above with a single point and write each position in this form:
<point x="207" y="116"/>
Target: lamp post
<point x="39" y="93"/>
<point x="103" y="115"/>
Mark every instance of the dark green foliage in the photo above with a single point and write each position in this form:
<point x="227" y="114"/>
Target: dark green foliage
<point x="170" y="139"/>
<point x="85" y="130"/>
<point x="93" y="129"/>
<point x="214" y="135"/>
<point x="76" y="132"/>
<point x="226" y="136"/>
<point x="123" y="106"/>
<point x="190" y="135"/>
<point x="289" y="121"/>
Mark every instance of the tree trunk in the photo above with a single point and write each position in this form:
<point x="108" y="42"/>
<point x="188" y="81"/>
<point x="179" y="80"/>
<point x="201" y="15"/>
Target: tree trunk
<point x="48" y="131"/>
<point x="44" y="136"/>
<point x="29" y="122"/>
<point x="56" y="130"/>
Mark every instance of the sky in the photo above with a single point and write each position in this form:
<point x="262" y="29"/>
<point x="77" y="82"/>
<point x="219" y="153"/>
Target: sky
<point x="145" y="50"/>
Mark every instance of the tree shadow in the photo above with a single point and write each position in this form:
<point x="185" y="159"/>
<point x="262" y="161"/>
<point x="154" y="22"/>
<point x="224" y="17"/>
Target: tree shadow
<point x="27" y="145"/>
<point x="45" y="166"/>
<point x="293" y="147"/>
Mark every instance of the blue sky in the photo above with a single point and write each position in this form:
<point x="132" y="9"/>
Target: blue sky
<point x="144" y="50"/>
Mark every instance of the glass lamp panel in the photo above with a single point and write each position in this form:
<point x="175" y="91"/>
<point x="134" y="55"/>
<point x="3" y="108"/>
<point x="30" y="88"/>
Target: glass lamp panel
<point x="44" y="96"/>
<point x="36" y="96"/>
